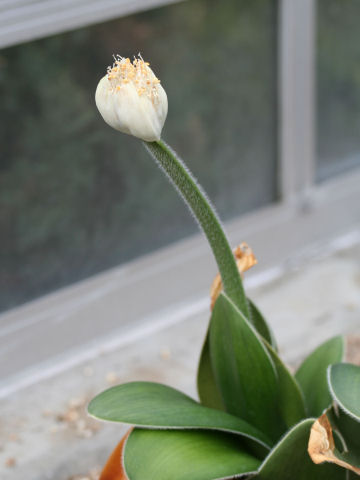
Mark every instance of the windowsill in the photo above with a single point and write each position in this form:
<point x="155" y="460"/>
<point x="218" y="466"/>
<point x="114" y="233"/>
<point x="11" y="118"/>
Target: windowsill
<point x="306" y="306"/>
<point x="79" y="321"/>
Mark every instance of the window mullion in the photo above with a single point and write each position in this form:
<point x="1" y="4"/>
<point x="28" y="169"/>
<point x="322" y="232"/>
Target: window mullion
<point x="296" y="98"/>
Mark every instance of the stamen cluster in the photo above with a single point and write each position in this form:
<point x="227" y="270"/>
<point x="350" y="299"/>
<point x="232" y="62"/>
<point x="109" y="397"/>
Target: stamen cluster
<point x="123" y="72"/>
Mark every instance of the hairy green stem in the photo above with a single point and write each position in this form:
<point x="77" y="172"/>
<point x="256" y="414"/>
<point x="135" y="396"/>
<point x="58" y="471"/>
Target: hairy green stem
<point x="206" y="216"/>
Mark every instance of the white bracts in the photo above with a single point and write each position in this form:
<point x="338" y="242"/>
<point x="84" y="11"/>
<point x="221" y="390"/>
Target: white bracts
<point x="131" y="99"/>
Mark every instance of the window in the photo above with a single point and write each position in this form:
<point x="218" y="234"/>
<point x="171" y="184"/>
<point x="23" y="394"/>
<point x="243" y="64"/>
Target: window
<point x="77" y="198"/>
<point x="338" y="87"/>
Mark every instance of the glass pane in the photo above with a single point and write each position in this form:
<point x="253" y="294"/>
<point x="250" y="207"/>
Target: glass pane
<point x="77" y="197"/>
<point x="338" y="89"/>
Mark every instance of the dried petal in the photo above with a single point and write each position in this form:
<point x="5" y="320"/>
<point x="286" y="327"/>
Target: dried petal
<point x="245" y="259"/>
<point x="321" y="445"/>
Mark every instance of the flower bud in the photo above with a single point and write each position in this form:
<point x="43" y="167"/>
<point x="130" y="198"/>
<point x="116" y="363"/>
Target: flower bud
<point x="131" y="99"/>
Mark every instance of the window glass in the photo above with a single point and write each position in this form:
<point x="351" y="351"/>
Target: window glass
<point x="338" y="88"/>
<point x="76" y="197"/>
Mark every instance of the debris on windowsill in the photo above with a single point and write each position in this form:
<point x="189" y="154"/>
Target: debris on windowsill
<point x="353" y="349"/>
<point x="75" y="419"/>
<point x="111" y="378"/>
<point x="14" y="437"/>
<point x="10" y="462"/>
<point x="88" y="371"/>
<point x="165" y="353"/>
<point x="93" y="474"/>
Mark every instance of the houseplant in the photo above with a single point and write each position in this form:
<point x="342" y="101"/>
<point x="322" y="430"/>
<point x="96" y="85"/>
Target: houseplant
<point x="254" y="418"/>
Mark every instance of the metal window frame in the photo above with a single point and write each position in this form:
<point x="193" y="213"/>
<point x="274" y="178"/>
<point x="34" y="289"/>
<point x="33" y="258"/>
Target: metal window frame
<point x="308" y="215"/>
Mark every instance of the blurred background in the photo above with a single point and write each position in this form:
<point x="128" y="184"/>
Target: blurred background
<point x="76" y="198"/>
<point x="100" y="258"/>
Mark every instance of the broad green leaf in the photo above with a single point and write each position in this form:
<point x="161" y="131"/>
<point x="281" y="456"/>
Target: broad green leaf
<point x="243" y="369"/>
<point x="344" y="385"/>
<point x="289" y="459"/>
<point x="312" y="375"/>
<point x="185" y="455"/>
<point x="207" y="389"/>
<point x="259" y="322"/>
<point x="154" y="405"/>
<point x="291" y="400"/>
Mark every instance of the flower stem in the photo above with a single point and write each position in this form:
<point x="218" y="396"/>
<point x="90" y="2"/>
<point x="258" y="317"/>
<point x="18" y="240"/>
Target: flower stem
<point x="206" y="216"/>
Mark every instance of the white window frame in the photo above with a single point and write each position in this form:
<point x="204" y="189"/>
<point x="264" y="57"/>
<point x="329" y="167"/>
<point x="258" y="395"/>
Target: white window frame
<point x="26" y="20"/>
<point x="119" y="304"/>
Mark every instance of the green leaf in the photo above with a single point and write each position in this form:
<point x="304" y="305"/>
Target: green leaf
<point x="344" y="385"/>
<point x="208" y="391"/>
<point x="154" y="405"/>
<point x="185" y="455"/>
<point x="289" y="459"/>
<point x="349" y="430"/>
<point x="312" y="375"/>
<point x="244" y="371"/>
<point x="259" y="322"/>
<point x="291" y="400"/>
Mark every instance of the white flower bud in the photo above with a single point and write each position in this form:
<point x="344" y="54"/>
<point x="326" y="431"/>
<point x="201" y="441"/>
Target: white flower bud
<point x="131" y="99"/>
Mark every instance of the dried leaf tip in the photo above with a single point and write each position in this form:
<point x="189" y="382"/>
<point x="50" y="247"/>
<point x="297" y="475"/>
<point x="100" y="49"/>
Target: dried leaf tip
<point x="245" y="259"/>
<point x="321" y="445"/>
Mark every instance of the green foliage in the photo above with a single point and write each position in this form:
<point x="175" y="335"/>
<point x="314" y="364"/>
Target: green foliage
<point x="289" y="459"/>
<point x="184" y="455"/>
<point x="259" y="322"/>
<point x="291" y="403"/>
<point x="208" y="391"/>
<point x="311" y="375"/>
<point x="236" y="350"/>
<point x="147" y="404"/>
<point x="249" y="399"/>
<point x="263" y="400"/>
<point x="344" y="385"/>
